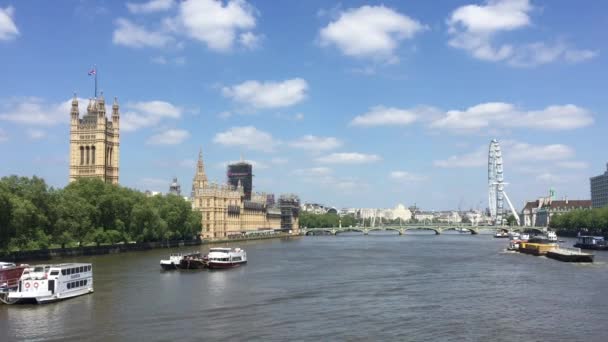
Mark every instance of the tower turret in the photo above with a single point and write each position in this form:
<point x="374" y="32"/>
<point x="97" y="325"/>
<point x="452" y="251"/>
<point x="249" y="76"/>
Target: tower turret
<point x="115" y="113"/>
<point x="100" y="105"/>
<point x="74" y="112"/>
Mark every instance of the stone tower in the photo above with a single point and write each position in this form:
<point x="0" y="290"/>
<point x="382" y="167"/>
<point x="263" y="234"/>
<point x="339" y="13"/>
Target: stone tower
<point x="200" y="178"/>
<point x="94" y="141"/>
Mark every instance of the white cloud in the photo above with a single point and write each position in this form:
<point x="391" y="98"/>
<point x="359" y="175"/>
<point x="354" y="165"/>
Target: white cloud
<point x="314" y="143"/>
<point x="133" y="35"/>
<point x="3" y="135"/>
<point x="250" y="40"/>
<point x="369" y="32"/>
<point x="268" y="94"/>
<point x="217" y="25"/>
<point x="150" y="6"/>
<point x="247" y="137"/>
<point x="548" y="177"/>
<point x="577" y="165"/>
<point x="514" y="153"/>
<point x="349" y="158"/>
<point x="162" y="60"/>
<point x="383" y="116"/>
<point x="36" y="134"/>
<point x="499" y="114"/>
<point x="477" y="158"/>
<point x="473" y="28"/>
<point x="8" y="29"/>
<point x="169" y="137"/>
<point x="313" y="172"/>
<point x="34" y="111"/>
<point x="147" y="114"/>
<point x="406" y="177"/>
<point x="279" y="161"/>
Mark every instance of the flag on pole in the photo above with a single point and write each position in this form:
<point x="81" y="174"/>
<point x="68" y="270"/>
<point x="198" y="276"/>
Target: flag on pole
<point x="93" y="72"/>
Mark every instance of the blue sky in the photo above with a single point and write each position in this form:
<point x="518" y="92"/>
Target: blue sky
<point x="357" y="103"/>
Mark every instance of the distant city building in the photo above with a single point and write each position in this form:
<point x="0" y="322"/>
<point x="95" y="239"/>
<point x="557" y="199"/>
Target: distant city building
<point x="175" y="188"/>
<point x="599" y="189"/>
<point x="474" y="217"/>
<point x="425" y="216"/>
<point x="226" y="211"/>
<point x="270" y="201"/>
<point x="538" y="213"/>
<point x="449" y="217"/>
<point x="401" y="212"/>
<point x="149" y="193"/>
<point x="290" y="210"/>
<point x="94" y="141"/>
<point x="241" y="172"/>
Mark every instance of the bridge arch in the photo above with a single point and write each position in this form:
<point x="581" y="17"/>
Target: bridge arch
<point x="350" y="229"/>
<point x="435" y="229"/>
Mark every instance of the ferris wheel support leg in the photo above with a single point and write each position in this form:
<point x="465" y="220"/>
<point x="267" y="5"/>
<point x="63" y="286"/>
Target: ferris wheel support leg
<point x="512" y="209"/>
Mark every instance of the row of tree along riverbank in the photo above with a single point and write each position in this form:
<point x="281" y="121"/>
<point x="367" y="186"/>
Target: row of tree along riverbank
<point x="47" y="254"/>
<point x="585" y="221"/>
<point x="35" y="216"/>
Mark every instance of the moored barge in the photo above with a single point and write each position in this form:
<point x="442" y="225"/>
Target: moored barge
<point x="569" y="255"/>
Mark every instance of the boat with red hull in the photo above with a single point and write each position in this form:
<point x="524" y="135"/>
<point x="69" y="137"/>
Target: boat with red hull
<point x="10" y="274"/>
<point x="221" y="258"/>
<point x="9" y="279"/>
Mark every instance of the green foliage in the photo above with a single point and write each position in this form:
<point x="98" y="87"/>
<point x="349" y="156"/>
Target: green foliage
<point x="34" y="215"/>
<point x="594" y="221"/>
<point x="511" y="220"/>
<point x="311" y="220"/>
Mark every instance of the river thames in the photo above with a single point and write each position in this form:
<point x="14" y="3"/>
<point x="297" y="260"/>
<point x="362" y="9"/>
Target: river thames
<point x="417" y="287"/>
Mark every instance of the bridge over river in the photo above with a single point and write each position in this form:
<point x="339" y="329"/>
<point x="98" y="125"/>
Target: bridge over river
<point x="437" y="228"/>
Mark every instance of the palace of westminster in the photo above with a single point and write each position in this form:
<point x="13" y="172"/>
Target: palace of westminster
<point x="227" y="209"/>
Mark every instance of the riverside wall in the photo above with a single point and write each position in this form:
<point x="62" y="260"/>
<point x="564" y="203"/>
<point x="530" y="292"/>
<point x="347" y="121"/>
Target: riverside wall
<point x="47" y="254"/>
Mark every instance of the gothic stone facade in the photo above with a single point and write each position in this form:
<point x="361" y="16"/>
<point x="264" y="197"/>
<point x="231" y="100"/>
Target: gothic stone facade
<point x="94" y="142"/>
<point x="225" y="212"/>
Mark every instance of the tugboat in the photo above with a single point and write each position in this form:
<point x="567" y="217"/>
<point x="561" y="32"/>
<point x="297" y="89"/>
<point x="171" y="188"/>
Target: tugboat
<point x="591" y="242"/>
<point x="193" y="261"/>
<point x="172" y="263"/>
<point x="225" y="258"/>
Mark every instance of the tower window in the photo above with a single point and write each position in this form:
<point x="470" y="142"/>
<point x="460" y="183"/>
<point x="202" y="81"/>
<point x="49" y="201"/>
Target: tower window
<point x="88" y="155"/>
<point x="81" y="155"/>
<point x="93" y="155"/>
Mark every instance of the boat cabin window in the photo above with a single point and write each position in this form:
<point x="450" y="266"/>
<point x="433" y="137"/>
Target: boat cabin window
<point x="39" y="269"/>
<point x="55" y="272"/>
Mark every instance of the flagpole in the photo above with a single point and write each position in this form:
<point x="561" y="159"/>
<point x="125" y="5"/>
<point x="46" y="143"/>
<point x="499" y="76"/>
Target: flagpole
<point x="95" y="68"/>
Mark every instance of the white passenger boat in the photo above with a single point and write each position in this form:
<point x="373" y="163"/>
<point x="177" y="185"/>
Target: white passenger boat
<point x="226" y="257"/>
<point x="514" y="235"/>
<point x="47" y="283"/>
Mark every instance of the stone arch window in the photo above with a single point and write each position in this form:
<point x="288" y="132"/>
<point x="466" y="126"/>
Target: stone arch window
<point x="88" y="155"/>
<point x="81" y="155"/>
<point x="93" y="155"/>
<point x="111" y="155"/>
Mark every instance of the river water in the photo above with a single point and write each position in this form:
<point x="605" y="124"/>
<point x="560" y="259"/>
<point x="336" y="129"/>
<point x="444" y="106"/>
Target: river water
<point x="451" y="287"/>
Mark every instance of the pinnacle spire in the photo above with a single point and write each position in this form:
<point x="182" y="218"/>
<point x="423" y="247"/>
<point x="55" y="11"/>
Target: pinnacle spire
<point x="200" y="166"/>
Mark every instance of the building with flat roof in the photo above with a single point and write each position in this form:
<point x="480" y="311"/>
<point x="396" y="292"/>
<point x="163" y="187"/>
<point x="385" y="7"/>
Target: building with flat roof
<point x="599" y="190"/>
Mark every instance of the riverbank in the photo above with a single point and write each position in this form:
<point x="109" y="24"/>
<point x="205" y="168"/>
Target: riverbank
<point x="48" y="254"/>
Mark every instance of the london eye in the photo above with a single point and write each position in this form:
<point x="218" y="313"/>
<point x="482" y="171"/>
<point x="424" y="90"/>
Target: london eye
<point x="496" y="185"/>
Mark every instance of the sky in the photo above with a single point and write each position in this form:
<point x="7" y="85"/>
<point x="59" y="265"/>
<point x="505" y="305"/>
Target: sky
<point x="347" y="104"/>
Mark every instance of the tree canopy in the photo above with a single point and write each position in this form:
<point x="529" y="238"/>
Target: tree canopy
<point x="35" y="216"/>
<point x="593" y="221"/>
